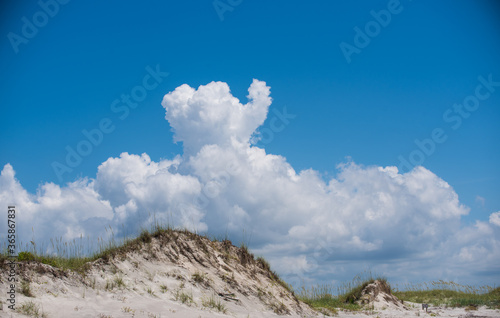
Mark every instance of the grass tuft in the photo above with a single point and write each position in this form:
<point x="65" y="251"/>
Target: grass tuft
<point x="31" y="309"/>
<point x="183" y="297"/>
<point x="151" y="291"/>
<point x="279" y="308"/>
<point x="262" y="263"/>
<point x="214" y="303"/>
<point x="326" y="298"/>
<point x="200" y="278"/>
<point x="26" y="289"/>
<point x="245" y="256"/>
<point x="119" y="282"/>
<point x="25" y="257"/>
<point x="355" y="293"/>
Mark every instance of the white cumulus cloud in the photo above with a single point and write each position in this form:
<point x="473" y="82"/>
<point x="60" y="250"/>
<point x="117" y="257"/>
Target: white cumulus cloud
<point x="495" y="218"/>
<point x="309" y="228"/>
<point x="212" y="115"/>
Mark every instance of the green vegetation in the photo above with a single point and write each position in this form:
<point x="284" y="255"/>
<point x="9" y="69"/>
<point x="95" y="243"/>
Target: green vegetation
<point x="151" y="291"/>
<point x="109" y="285"/>
<point x="279" y="308"/>
<point x="262" y="263"/>
<point x="26" y="289"/>
<point x="77" y="254"/>
<point x="129" y="310"/>
<point x="199" y="277"/>
<point x="283" y="284"/>
<point x="328" y="299"/>
<point x="25" y="256"/>
<point x="321" y="297"/>
<point x="325" y="298"/>
<point x="215" y="303"/>
<point x="245" y="256"/>
<point x="354" y="293"/>
<point x="163" y="288"/>
<point x="119" y="282"/>
<point x="31" y="309"/>
<point x="29" y="257"/>
<point x="450" y="294"/>
<point x="183" y="297"/>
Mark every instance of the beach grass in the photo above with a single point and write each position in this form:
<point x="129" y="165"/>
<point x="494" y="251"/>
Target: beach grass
<point x="451" y="294"/>
<point x="333" y="297"/>
<point x="439" y="293"/>
<point x="214" y="302"/>
<point x="77" y="254"/>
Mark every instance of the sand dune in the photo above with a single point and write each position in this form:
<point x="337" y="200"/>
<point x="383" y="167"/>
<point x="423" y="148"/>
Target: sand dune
<point x="180" y="274"/>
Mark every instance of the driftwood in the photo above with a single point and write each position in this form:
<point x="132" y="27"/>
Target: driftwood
<point x="228" y="296"/>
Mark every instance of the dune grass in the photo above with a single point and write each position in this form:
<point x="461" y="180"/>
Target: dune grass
<point x="443" y="293"/>
<point x="31" y="309"/>
<point x="72" y="254"/>
<point x="214" y="302"/>
<point x="450" y="294"/>
<point x="74" y="260"/>
<point x="343" y="296"/>
<point x="77" y="254"/>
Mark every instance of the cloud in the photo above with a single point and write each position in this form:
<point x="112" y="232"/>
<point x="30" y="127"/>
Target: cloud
<point x="134" y="184"/>
<point x="211" y="115"/>
<point x="126" y="193"/>
<point x="54" y="210"/>
<point x="404" y="225"/>
<point x="480" y="200"/>
<point x="495" y="218"/>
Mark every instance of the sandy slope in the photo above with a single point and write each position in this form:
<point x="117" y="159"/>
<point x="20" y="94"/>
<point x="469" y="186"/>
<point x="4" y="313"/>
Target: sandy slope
<point x="153" y="279"/>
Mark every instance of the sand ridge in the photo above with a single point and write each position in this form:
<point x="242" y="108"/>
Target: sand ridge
<point x="177" y="274"/>
<point x="181" y="274"/>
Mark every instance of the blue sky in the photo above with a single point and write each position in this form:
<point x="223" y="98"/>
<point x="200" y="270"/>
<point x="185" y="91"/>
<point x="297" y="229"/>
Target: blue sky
<point x="369" y="110"/>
